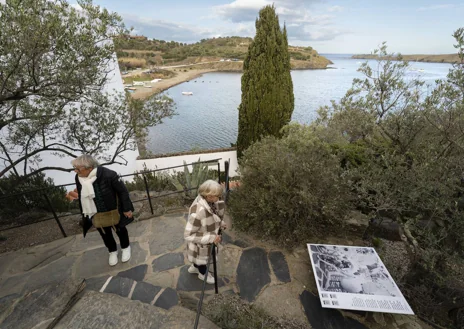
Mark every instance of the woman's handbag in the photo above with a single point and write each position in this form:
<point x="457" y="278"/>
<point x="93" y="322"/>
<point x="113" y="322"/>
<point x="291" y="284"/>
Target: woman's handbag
<point x="106" y="219"/>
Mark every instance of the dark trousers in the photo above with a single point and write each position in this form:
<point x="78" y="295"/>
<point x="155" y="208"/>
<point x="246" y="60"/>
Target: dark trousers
<point x="201" y="268"/>
<point x="108" y="238"/>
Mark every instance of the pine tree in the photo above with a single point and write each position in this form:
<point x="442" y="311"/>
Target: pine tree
<point x="267" y="88"/>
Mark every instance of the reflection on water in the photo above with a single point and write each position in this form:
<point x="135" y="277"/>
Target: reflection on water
<point x="209" y="118"/>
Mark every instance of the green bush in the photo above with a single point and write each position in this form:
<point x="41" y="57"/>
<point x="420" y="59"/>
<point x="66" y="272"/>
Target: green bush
<point x="157" y="181"/>
<point x="291" y="188"/>
<point x="31" y="201"/>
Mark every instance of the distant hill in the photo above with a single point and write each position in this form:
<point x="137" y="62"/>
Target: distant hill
<point x="447" y="58"/>
<point x="139" y="51"/>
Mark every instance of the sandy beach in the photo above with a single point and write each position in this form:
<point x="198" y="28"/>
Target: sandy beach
<point x="144" y="92"/>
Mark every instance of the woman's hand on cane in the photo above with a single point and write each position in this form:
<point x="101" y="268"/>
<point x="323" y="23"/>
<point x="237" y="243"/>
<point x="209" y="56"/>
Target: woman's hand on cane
<point x="218" y="239"/>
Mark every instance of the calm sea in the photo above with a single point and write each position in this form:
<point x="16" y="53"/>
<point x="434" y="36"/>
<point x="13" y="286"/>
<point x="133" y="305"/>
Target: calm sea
<point x="209" y="118"/>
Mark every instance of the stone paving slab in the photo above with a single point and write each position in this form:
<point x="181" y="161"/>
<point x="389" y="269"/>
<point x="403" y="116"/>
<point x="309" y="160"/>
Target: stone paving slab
<point x="96" y="283"/>
<point x="119" y="286"/>
<point x="14" y="284"/>
<point x="279" y="266"/>
<point x="58" y="271"/>
<point x="253" y="273"/>
<point x="91" y="241"/>
<point x="168" y="261"/>
<point x="138" y="229"/>
<point x="167" y="235"/>
<point x="107" y="311"/>
<point x="190" y="282"/>
<point x="40" y="305"/>
<point x="145" y="292"/>
<point x="167" y="299"/>
<point x="95" y="262"/>
<point x="136" y="273"/>
<point x="35" y="257"/>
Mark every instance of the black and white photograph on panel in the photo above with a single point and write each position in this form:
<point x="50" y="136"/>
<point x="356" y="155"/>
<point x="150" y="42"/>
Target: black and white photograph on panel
<point x="355" y="278"/>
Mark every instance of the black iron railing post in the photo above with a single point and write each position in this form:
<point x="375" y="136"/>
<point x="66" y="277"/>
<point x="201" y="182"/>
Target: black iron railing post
<point x="148" y="193"/>
<point x="55" y="216"/>
<point x="219" y="172"/>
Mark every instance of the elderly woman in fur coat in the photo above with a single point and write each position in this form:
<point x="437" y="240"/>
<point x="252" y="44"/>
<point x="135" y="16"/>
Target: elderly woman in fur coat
<point x="203" y="227"/>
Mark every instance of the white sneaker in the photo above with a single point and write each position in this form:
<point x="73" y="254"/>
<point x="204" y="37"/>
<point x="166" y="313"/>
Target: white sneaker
<point x="113" y="258"/>
<point x="209" y="280"/>
<point x="193" y="270"/>
<point x="126" y="254"/>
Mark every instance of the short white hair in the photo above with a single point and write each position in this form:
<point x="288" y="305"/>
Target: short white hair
<point x="86" y="161"/>
<point x="210" y="187"/>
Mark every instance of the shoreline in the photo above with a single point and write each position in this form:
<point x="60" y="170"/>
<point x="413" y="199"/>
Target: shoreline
<point x="181" y="77"/>
<point x="445" y="58"/>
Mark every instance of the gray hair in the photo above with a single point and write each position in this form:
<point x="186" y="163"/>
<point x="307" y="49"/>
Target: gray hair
<point x="86" y="161"/>
<point x="210" y="187"/>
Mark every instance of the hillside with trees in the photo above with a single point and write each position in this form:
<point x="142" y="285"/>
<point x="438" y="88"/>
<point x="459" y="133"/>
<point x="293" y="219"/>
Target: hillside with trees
<point x="139" y="51"/>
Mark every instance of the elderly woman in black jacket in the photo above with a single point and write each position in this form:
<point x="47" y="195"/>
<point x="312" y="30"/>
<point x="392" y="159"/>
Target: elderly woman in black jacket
<point x="103" y="195"/>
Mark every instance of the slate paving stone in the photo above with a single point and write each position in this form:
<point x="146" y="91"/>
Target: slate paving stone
<point x="119" y="286"/>
<point x="279" y="266"/>
<point x="136" y="273"/>
<point x="95" y="262"/>
<point x="167" y="299"/>
<point x="190" y="282"/>
<point x="168" y="261"/>
<point x="138" y="229"/>
<point x="167" y="235"/>
<point x="14" y="284"/>
<point x="145" y="292"/>
<point x="253" y="273"/>
<point x="39" y="305"/>
<point x="96" y="283"/>
<point x="325" y="318"/>
<point x="57" y="271"/>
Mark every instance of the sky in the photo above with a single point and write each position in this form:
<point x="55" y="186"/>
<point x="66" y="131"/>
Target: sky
<point x="329" y="26"/>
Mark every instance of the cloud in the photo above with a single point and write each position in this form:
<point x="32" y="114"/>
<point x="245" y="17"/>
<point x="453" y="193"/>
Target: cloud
<point x="164" y="30"/>
<point x="310" y="33"/>
<point x="436" y="7"/>
<point x="335" y="9"/>
<point x="248" y="10"/>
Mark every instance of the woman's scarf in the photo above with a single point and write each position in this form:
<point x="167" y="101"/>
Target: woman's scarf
<point x="88" y="194"/>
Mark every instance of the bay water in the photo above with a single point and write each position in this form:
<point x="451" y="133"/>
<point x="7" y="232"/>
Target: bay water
<point x="209" y="118"/>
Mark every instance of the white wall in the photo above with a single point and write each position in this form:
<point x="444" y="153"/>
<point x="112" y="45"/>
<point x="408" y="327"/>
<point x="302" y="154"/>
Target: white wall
<point x="159" y="163"/>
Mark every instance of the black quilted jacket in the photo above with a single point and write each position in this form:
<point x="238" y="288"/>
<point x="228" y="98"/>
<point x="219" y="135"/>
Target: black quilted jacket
<point x="110" y="193"/>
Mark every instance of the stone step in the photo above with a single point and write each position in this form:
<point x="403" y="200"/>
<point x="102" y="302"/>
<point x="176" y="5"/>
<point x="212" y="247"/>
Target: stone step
<point x="106" y="302"/>
<point x="144" y="292"/>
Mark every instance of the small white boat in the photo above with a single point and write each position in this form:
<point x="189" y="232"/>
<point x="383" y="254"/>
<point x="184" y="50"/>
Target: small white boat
<point x="147" y="86"/>
<point x="188" y="93"/>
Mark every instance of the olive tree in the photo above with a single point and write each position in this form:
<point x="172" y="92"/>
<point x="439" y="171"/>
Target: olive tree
<point x="56" y="61"/>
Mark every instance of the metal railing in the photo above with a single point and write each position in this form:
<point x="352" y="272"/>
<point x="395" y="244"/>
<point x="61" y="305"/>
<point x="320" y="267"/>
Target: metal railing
<point x="56" y="217"/>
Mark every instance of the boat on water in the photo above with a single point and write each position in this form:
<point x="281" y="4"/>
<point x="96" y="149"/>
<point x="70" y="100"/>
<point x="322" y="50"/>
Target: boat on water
<point x="188" y="93"/>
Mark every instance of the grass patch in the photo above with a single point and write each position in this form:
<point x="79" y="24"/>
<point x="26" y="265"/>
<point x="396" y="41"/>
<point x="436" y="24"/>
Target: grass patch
<point x="230" y="312"/>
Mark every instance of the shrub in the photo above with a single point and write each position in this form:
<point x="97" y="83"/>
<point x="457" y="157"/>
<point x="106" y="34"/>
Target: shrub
<point x="291" y="188"/>
<point x="14" y="206"/>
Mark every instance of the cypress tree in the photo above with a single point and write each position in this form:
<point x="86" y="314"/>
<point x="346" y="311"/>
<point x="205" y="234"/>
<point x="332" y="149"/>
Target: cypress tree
<point x="267" y="88"/>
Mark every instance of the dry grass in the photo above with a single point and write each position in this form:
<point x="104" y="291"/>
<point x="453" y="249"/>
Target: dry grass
<point x="230" y="312"/>
<point x="132" y="62"/>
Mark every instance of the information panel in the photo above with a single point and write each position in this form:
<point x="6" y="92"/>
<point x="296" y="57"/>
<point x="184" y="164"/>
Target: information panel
<point x="354" y="278"/>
